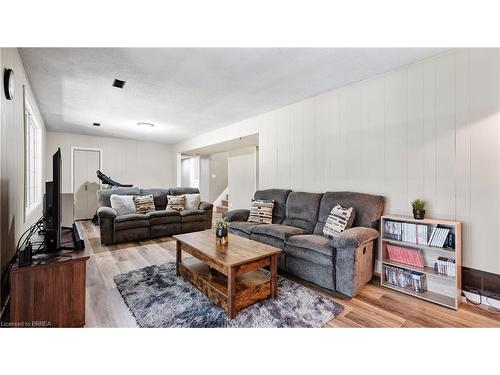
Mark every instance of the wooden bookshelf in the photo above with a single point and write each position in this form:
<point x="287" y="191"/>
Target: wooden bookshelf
<point x="442" y="289"/>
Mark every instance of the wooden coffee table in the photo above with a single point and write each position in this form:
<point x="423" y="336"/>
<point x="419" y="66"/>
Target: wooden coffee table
<point x="228" y="274"/>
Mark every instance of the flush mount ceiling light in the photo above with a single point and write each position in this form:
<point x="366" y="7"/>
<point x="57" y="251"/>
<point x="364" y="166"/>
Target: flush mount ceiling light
<point x="118" y="83"/>
<point x="146" y="124"/>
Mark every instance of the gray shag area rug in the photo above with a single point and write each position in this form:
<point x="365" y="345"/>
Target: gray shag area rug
<point x="159" y="299"/>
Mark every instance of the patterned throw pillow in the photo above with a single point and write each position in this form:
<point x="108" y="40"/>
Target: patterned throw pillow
<point x="192" y="201"/>
<point x="144" y="204"/>
<point x="122" y="204"/>
<point x="175" y="202"/>
<point x="340" y="219"/>
<point x="261" y="212"/>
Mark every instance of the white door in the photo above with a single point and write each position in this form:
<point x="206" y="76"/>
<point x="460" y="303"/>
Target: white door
<point x="85" y="182"/>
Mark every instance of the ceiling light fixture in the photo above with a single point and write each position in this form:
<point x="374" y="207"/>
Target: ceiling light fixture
<point x="146" y="124"/>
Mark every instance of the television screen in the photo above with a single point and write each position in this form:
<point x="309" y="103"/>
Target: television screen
<point x="53" y="206"/>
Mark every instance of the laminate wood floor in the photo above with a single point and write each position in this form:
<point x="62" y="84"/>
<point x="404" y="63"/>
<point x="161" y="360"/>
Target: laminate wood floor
<point x="374" y="306"/>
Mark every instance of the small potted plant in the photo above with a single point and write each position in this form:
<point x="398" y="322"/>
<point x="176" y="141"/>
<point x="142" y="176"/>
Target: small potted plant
<point x="418" y="209"/>
<point x="221" y="231"/>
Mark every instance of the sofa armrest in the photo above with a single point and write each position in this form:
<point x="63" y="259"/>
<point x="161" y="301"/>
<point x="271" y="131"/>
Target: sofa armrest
<point x="105" y="212"/>
<point x="205" y="206"/>
<point x="354" y="237"/>
<point x="236" y="215"/>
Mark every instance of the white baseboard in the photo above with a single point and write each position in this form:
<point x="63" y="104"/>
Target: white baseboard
<point x="485" y="301"/>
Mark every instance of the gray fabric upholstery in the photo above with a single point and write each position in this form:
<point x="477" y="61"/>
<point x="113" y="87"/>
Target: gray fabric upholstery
<point x="311" y="247"/>
<point x="302" y="210"/>
<point x="268" y="240"/>
<point x="132" y="234"/>
<point x="205" y="206"/>
<point x="243" y="226"/>
<point x="163" y="217"/>
<point x="277" y="230"/>
<point x="183" y="190"/>
<point x="368" y="208"/>
<point x="236" y="215"/>
<point x="161" y="230"/>
<point x="103" y="196"/>
<point x="238" y="232"/>
<point x="279" y="196"/>
<point x="354" y="237"/>
<point x="192" y="215"/>
<point x="324" y="276"/>
<point x="161" y="222"/>
<point x="106" y="212"/>
<point x="353" y="268"/>
<point x="131" y="221"/>
<point x="159" y="197"/>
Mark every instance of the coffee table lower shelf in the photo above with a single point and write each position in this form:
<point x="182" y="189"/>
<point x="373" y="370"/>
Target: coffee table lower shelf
<point x="250" y="287"/>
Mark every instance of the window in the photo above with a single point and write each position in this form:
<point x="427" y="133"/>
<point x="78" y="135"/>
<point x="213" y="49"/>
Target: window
<point x="33" y="160"/>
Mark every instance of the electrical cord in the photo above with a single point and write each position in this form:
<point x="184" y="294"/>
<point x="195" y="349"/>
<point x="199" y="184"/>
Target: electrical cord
<point x="496" y="310"/>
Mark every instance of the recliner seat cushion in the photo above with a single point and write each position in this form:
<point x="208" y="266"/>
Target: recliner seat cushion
<point x="164" y="217"/>
<point x="277" y="230"/>
<point x="243" y="226"/>
<point x="192" y="215"/>
<point x="131" y="221"/>
<point x="311" y="247"/>
<point x="302" y="210"/>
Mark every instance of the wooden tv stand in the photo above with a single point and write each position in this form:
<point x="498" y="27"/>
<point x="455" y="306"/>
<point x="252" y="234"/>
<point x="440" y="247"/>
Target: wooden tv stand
<point x="49" y="293"/>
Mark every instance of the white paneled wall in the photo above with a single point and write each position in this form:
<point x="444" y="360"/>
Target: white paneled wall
<point x="430" y="130"/>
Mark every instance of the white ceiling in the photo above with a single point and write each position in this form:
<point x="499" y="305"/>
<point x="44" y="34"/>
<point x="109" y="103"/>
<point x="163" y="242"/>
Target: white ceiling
<point x="189" y="91"/>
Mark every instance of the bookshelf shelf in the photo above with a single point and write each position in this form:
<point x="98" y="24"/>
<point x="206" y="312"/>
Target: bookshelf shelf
<point x="440" y="288"/>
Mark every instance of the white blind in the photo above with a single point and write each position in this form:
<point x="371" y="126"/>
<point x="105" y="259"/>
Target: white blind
<point x="33" y="160"/>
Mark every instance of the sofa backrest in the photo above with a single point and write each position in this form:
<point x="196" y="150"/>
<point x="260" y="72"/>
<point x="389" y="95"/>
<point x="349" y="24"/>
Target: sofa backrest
<point x="279" y="196"/>
<point x="302" y="210"/>
<point x="183" y="190"/>
<point x="103" y="196"/>
<point x="159" y="197"/>
<point x="368" y="208"/>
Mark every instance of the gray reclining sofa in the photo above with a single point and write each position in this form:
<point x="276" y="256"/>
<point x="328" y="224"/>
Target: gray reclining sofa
<point x="162" y="222"/>
<point x="343" y="264"/>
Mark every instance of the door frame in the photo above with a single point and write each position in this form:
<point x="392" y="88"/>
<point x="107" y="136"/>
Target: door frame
<point x="81" y="148"/>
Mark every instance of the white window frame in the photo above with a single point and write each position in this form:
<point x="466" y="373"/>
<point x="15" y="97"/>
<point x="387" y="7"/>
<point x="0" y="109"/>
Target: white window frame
<point x="32" y="160"/>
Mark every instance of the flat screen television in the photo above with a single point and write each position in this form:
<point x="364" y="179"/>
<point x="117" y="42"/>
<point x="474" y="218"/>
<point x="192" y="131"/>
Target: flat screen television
<point x="52" y="206"/>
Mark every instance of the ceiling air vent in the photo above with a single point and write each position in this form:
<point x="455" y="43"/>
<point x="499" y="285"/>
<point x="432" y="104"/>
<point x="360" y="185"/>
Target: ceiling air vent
<point x="118" y="83"/>
<point x="96" y="124"/>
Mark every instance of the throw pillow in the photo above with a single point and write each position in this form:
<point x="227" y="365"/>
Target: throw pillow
<point x="340" y="219"/>
<point x="261" y="212"/>
<point x="191" y="201"/>
<point x="122" y="204"/>
<point x="144" y="204"/>
<point x="175" y="202"/>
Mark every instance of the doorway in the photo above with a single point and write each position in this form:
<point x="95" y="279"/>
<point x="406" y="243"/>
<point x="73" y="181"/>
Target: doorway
<point x="85" y="163"/>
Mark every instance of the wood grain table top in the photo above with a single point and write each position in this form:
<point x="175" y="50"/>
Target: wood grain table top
<point x="237" y="251"/>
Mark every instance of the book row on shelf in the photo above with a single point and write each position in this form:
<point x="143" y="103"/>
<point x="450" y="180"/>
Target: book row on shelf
<point x="420" y="234"/>
<point x="412" y="257"/>
<point x="446" y="266"/>
<point x="411" y="280"/>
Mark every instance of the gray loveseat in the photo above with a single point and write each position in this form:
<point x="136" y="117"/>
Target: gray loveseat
<point x="342" y="264"/>
<point x="162" y="222"/>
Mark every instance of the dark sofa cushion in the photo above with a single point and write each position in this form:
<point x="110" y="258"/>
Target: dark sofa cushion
<point x="311" y="247"/>
<point x="243" y="226"/>
<point x="302" y="210"/>
<point x="192" y="215"/>
<point x="277" y="230"/>
<point x="104" y="196"/>
<point x="164" y="217"/>
<point x="368" y="208"/>
<point x="159" y="196"/>
<point x="279" y="196"/>
<point x="130" y="221"/>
